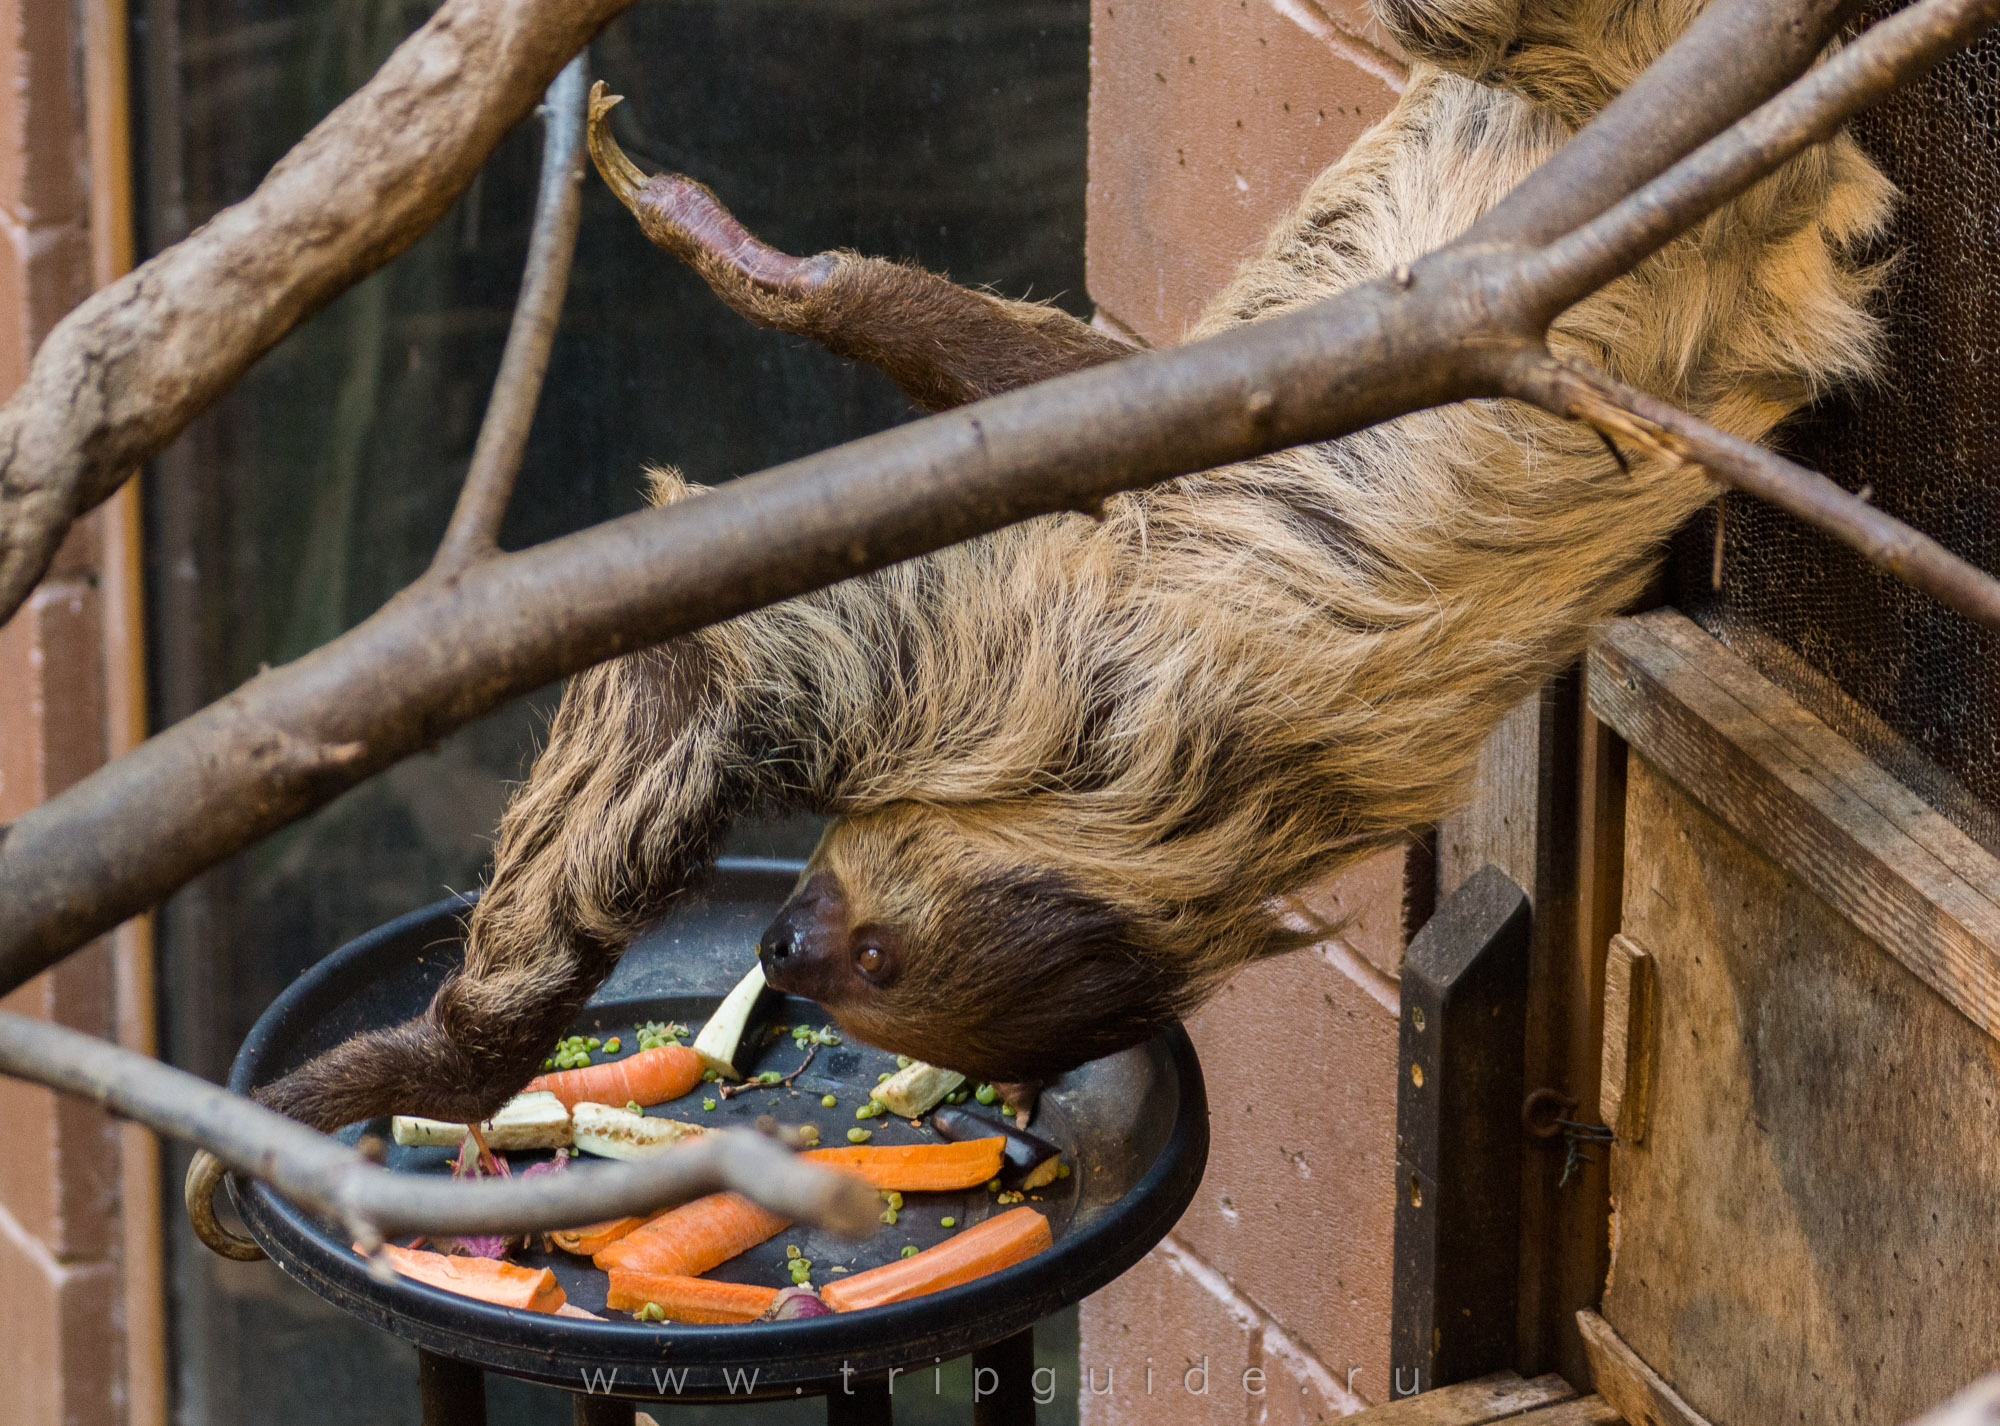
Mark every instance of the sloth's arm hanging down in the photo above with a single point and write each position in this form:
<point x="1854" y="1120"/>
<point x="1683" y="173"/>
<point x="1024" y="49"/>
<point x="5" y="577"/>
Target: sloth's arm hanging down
<point x="944" y="345"/>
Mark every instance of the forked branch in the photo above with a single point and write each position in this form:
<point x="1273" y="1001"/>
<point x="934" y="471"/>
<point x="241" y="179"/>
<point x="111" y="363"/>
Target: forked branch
<point x="124" y="373"/>
<point x="1469" y="321"/>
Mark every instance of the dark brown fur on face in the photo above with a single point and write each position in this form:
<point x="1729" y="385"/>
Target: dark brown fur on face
<point x="1073" y="763"/>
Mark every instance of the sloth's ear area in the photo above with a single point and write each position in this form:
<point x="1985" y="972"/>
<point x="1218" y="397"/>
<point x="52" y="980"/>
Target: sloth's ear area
<point x="944" y="345"/>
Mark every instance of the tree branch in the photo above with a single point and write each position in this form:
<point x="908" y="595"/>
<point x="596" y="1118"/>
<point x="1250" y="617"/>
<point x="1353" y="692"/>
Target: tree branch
<point x="447" y="651"/>
<point x="1731" y="59"/>
<point x="1464" y="322"/>
<point x="474" y="531"/>
<point x="1901" y="49"/>
<point x="124" y="373"/>
<point x="1579" y="393"/>
<point x="324" y="1175"/>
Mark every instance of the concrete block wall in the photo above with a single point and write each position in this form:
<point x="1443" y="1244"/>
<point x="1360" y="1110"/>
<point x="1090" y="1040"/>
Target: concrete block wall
<point x="1269" y="1302"/>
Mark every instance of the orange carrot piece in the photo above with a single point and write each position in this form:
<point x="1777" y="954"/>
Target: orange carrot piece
<point x="990" y="1246"/>
<point x="649" y="1077"/>
<point x="689" y="1240"/>
<point x="488" y="1279"/>
<point x="916" y="1168"/>
<point x="688" y="1299"/>
<point x="594" y="1237"/>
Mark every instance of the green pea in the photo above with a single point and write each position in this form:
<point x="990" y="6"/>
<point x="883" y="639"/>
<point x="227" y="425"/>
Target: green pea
<point x="791" y="1250"/>
<point x="708" y="1076"/>
<point x="909" y="1250"/>
<point x="992" y="1185"/>
<point x="986" y="1094"/>
<point x="859" y="1136"/>
<point x="769" y="1077"/>
<point x="632" y="1106"/>
<point x="1062" y="1170"/>
<point x="708" y="1104"/>
<point x="613" y="1045"/>
<point x="889" y="1216"/>
<point x="828" y="1100"/>
<point x="895" y="1199"/>
<point x="904" y="1062"/>
<point x="947" y="1222"/>
<point x="882" y="1078"/>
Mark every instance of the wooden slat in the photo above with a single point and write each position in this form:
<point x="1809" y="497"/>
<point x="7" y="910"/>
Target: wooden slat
<point x="1625" y="1085"/>
<point x="1501" y="1396"/>
<point x="1634" y="1389"/>
<point x="1809" y="800"/>
<point x="1584" y="1411"/>
<point x="1522" y="817"/>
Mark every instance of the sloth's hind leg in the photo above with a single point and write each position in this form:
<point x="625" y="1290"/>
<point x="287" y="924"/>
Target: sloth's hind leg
<point x="942" y="344"/>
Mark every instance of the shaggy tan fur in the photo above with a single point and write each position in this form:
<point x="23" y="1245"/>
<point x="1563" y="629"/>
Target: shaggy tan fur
<point x="1074" y="761"/>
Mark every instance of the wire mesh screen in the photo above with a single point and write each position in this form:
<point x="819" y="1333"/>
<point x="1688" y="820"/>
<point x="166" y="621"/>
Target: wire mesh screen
<point x="1914" y="685"/>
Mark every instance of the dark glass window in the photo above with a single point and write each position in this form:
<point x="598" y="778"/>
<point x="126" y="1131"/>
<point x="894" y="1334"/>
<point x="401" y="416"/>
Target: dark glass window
<point x="949" y="131"/>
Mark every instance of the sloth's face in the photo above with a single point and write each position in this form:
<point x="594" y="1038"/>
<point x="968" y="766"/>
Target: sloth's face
<point x="928" y="933"/>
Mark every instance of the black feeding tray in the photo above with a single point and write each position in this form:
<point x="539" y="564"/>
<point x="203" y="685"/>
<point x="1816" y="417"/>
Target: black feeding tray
<point x="1134" y="1126"/>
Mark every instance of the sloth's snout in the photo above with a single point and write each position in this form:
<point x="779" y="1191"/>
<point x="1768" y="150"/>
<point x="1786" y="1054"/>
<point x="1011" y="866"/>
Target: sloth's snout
<point x="804" y="948"/>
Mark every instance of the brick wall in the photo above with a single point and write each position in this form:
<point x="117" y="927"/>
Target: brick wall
<point x="1269" y="1302"/>
<point x="67" y="700"/>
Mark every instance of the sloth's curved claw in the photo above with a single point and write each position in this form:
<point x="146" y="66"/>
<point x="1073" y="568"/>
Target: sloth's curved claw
<point x="622" y="176"/>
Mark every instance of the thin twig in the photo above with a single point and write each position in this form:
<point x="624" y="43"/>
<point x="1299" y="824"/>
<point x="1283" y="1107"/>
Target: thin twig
<point x="474" y="531"/>
<point x="322" y="1174"/>
<point x="729" y="1091"/>
<point x="1579" y="393"/>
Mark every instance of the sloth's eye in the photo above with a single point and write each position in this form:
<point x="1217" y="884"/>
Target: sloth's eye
<point x="871" y="960"/>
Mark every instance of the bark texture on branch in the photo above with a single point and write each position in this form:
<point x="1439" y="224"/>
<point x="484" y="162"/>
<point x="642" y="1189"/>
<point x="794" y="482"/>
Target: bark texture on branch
<point x="322" y="1174"/>
<point x="451" y="649"/>
<point x="124" y="373"/>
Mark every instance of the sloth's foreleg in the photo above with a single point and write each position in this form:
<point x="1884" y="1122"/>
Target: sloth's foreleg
<point x="623" y="807"/>
<point x="942" y="344"/>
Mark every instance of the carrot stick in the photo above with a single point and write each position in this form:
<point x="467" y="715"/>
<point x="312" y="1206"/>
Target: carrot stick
<point x="689" y="1240"/>
<point x="687" y="1299"/>
<point x="649" y="1077"/>
<point x="997" y="1243"/>
<point x="911" y="1168"/>
<point x="488" y="1279"/>
<point x="594" y="1237"/>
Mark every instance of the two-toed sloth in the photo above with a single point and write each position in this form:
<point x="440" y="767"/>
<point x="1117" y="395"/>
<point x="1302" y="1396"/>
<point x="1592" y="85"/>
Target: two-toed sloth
<point x="1071" y="764"/>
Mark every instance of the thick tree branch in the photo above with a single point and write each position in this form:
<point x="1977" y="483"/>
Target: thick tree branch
<point x="1465" y="322"/>
<point x="474" y="530"/>
<point x="449" y="650"/>
<point x="124" y="373"/>
<point x="320" y="1173"/>
<point x="1732" y="58"/>
<point x="1625" y="414"/>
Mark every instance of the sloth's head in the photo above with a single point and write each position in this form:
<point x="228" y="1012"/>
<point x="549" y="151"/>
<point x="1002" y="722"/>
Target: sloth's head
<point x="932" y="933"/>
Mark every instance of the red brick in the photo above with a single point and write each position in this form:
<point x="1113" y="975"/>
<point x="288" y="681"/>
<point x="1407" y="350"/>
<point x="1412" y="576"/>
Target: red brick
<point x="1155" y="1319"/>
<point x="59" y="1178"/>
<point x="1364" y="907"/>
<point x="1207" y="121"/>
<point x="60" y="1357"/>
<point x="41" y="114"/>
<point x="1297" y="1207"/>
<point x="1171" y="1327"/>
<point x="44" y="272"/>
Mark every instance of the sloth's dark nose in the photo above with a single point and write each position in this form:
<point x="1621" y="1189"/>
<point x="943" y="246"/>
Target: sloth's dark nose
<point x="801" y="947"/>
